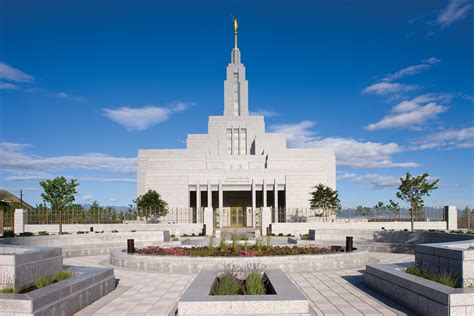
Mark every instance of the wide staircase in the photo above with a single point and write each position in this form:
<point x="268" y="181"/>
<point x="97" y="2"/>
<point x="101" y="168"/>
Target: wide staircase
<point x="247" y="233"/>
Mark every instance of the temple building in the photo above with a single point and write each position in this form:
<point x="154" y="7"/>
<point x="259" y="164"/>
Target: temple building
<point x="236" y="169"/>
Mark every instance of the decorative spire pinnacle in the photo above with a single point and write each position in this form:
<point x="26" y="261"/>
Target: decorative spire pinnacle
<point x="236" y="26"/>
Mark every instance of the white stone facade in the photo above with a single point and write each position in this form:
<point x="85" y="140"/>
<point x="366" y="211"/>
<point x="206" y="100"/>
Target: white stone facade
<point x="235" y="161"/>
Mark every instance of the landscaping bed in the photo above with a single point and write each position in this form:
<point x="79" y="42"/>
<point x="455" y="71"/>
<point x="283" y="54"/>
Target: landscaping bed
<point x="234" y="251"/>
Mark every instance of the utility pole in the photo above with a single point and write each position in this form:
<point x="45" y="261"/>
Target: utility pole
<point x="21" y="198"/>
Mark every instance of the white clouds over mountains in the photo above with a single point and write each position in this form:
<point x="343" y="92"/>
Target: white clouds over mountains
<point x="139" y="119"/>
<point x="349" y="152"/>
<point x="23" y="166"/>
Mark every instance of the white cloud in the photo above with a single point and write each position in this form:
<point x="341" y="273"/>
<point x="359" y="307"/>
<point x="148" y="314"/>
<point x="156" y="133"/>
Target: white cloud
<point x="8" y="86"/>
<point x="384" y="88"/>
<point x="376" y="181"/>
<point x="349" y="152"/>
<point x="87" y="198"/>
<point x="112" y="200"/>
<point x="387" y="86"/>
<point x="109" y="180"/>
<point x="412" y="113"/>
<point x="447" y="139"/>
<point x="28" y="177"/>
<point x="455" y="11"/>
<point x="10" y="73"/>
<point x="413" y="70"/>
<point x="140" y="119"/>
<point x="14" y="160"/>
<point x="266" y="113"/>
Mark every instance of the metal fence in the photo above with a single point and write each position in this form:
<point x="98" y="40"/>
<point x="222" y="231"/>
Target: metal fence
<point x="174" y="216"/>
<point x="466" y="219"/>
<point x="307" y="215"/>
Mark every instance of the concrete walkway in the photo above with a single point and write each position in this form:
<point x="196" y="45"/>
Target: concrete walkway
<point x="331" y="293"/>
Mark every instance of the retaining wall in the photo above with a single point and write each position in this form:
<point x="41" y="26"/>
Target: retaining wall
<point x="289" y="264"/>
<point x="423" y="296"/>
<point x="302" y="228"/>
<point x="73" y="228"/>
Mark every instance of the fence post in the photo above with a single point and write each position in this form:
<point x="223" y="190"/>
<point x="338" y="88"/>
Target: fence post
<point x="19" y="221"/>
<point x="451" y="216"/>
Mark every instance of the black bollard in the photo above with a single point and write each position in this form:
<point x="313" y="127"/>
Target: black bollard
<point x="349" y="244"/>
<point x="91" y="229"/>
<point x="130" y="245"/>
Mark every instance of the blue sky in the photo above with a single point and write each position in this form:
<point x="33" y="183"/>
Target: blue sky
<point x="389" y="85"/>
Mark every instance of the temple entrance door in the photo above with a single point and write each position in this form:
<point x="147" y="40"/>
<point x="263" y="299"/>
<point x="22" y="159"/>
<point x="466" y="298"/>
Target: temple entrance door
<point x="237" y="217"/>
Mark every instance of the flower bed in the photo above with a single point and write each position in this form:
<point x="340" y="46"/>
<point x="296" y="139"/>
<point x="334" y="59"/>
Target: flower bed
<point x="233" y="251"/>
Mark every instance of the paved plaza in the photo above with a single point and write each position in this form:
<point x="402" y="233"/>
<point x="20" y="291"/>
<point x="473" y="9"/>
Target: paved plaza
<point x="331" y="293"/>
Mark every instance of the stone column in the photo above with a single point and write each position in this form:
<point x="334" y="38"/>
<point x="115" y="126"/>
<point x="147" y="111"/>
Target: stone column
<point x="451" y="217"/>
<point x="209" y="194"/>
<point x="19" y="220"/>
<point x="264" y="190"/>
<point x="275" y="201"/>
<point x="198" y="195"/>
<point x="254" y="204"/>
<point x="209" y="221"/>
<point x="266" y="219"/>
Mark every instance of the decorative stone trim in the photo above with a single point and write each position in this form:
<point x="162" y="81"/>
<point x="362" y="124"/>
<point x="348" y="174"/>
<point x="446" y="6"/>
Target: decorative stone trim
<point x="289" y="264"/>
<point x="63" y="298"/>
<point x="288" y="299"/>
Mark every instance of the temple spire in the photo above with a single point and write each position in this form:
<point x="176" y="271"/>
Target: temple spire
<point x="236" y="26"/>
<point x="235" y="59"/>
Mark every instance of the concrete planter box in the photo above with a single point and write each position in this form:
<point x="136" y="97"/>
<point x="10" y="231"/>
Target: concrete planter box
<point x="62" y="298"/>
<point x="289" y="264"/>
<point x="423" y="296"/>
<point x="87" y="239"/>
<point x="453" y="257"/>
<point x="288" y="299"/>
<point x="21" y="266"/>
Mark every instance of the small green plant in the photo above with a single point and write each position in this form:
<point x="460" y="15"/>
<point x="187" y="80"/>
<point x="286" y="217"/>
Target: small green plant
<point x="80" y="232"/>
<point x="269" y="239"/>
<point x="222" y="244"/>
<point x="63" y="275"/>
<point x="8" y="233"/>
<point x="304" y="237"/>
<point x="193" y="235"/>
<point x="42" y="282"/>
<point x="26" y="234"/>
<point x="254" y="284"/>
<point x="258" y="244"/>
<point x="226" y="285"/>
<point x="7" y="290"/>
<point x="115" y="231"/>
<point x="211" y="241"/>
<point x="280" y="234"/>
<point x="43" y="233"/>
<point x="234" y="243"/>
<point x="423" y="272"/>
<point x="174" y="239"/>
<point x="133" y="230"/>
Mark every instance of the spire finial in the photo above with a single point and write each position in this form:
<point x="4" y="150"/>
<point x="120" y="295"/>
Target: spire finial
<point x="236" y="26"/>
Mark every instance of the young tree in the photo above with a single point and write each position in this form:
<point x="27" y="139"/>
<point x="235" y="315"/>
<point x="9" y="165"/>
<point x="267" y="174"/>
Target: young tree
<point x="150" y="204"/>
<point x="363" y="211"/>
<point x="412" y="189"/>
<point x="59" y="193"/>
<point x="326" y="199"/>
<point x="394" y="208"/>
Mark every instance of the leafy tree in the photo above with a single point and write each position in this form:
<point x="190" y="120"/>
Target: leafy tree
<point x="363" y="211"/>
<point x="394" y="208"/>
<point x="151" y="204"/>
<point x="326" y="199"/>
<point x="59" y="193"/>
<point x="412" y="189"/>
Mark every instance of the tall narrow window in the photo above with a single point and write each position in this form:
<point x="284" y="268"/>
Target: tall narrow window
<point x="236" y="94"/>
<point x="229" y="141"/>
<point x="243" y="141"/>
<point x="235" y="141"/>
